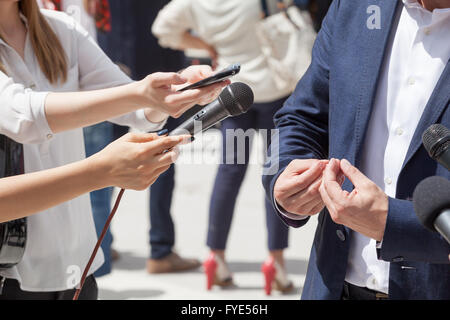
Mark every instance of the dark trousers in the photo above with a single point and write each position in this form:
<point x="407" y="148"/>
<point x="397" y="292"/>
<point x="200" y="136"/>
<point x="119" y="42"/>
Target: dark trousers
<point x="11" y="291"/>
<point x="230" y="176"/>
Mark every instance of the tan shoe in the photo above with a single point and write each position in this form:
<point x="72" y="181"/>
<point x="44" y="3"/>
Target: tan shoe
<point x="172" y="263"/>
<point x="115" y="255"/>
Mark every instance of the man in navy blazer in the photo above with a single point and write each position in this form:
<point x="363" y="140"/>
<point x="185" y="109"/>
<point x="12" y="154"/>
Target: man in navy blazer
<point x="376" y="64"/>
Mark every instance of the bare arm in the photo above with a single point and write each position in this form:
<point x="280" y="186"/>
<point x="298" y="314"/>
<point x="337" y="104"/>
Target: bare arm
<point x="134" y="161"/>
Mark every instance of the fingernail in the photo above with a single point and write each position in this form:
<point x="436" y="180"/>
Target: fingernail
<point x="345" y="163"/>
<point x="163" y="132"/>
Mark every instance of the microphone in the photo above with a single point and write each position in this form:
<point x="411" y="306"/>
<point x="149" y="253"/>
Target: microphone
<point x="432" y="205"/>
<point x="234" y="100"/>
<point x="436" y="140"/>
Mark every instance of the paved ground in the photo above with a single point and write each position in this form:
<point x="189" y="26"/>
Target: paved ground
<point x="246" y="247"/>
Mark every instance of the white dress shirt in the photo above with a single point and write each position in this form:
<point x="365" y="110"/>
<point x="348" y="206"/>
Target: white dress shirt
<point x="230" y="27"/>
<point x="416" y="57"/>
<point x="61" y="239"/>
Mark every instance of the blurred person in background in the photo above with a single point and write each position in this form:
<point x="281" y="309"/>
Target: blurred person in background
<point x="129" y="43"/>
<point x="226" y="29"/>
<point x="54" y="80"/>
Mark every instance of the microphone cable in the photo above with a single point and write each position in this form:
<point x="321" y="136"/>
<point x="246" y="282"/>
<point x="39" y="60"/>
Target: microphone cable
<point x="97" y="246"/>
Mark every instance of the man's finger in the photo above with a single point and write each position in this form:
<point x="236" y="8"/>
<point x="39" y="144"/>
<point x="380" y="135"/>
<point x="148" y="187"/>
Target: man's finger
<point x="354" y="175"/>
<point x="326" y="199"/>
<point x="331" y="184"/>
<point x="305" y="196"/>
<point x="304" y="180"/>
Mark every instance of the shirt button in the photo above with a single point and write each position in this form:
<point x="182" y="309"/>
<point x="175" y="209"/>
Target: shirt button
<point x="411" y="81"/>
<point x="427" y="31"/>
<point x="49" y="136"/>
<point x="372" y="281"/>
<point x="399" y="131"/>
<point x="32" y="86"/>
<point x="388" y="181"/>
<point x="340" y="235"/>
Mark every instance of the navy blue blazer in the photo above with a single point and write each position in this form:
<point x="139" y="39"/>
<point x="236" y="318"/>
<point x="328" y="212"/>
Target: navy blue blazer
<point x="327" y="117"/>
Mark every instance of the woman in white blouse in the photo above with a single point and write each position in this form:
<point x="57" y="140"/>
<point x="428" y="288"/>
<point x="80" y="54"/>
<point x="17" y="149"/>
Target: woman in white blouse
<point x="226" y="29"/>
<point x="46" y="59"/>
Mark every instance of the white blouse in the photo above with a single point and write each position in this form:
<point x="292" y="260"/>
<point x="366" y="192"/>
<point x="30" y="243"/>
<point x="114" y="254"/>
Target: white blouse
<point x="229" y="26"/>
<point x="60" y="240"/>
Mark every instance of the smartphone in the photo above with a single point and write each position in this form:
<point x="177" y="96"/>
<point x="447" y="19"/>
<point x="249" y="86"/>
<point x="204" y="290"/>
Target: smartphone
<point x="219" y="76"/>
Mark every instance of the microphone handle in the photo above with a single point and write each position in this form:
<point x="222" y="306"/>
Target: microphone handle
<point x="444" y="158"/>
<point x="442" y="224"/>
<point x="202" y="120"/>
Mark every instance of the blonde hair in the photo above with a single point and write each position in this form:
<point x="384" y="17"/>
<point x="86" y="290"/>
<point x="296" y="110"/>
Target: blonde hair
<point x="46" y="45"/>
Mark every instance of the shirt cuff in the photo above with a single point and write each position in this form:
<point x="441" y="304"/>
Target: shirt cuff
<point x="37" y="103"/>
<point x="288" y="214"/>
<point x="144" y="124"/>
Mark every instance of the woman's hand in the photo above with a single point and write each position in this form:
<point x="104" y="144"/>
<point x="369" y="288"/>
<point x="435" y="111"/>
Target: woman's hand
<point x="136" y="160"/>
<point x="159" y="90"/>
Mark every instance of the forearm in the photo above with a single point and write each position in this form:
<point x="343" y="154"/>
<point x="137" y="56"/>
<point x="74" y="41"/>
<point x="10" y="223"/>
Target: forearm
<point x="27" y="194"/>
<point x="67" y="111"/>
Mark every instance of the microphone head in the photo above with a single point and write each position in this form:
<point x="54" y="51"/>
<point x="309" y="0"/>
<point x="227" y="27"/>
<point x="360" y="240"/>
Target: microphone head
<point x="436" y="139"/>
<point x="237" y="98"/>
<point x="430" y="198"/>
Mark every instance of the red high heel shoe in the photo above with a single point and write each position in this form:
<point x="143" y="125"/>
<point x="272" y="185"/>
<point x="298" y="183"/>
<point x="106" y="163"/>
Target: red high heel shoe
<point x="275" y="277"/>
<point x="217" y="272"/>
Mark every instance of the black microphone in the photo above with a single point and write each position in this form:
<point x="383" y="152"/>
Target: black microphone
<point x="234" y="100"/>
<point x="436" y="140"/>
<point x="432" y="205"/>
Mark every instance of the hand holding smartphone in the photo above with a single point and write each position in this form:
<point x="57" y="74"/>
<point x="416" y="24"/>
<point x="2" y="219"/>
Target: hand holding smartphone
<point x="219" y="76"/>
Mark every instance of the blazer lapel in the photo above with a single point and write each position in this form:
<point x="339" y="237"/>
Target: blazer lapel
<point x="374" y="51"/>
<point x="435" y="107"/>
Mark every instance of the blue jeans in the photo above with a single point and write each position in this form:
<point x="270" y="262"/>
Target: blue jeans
<point x="96" y="138"/>
<point x="230" y="176"/>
